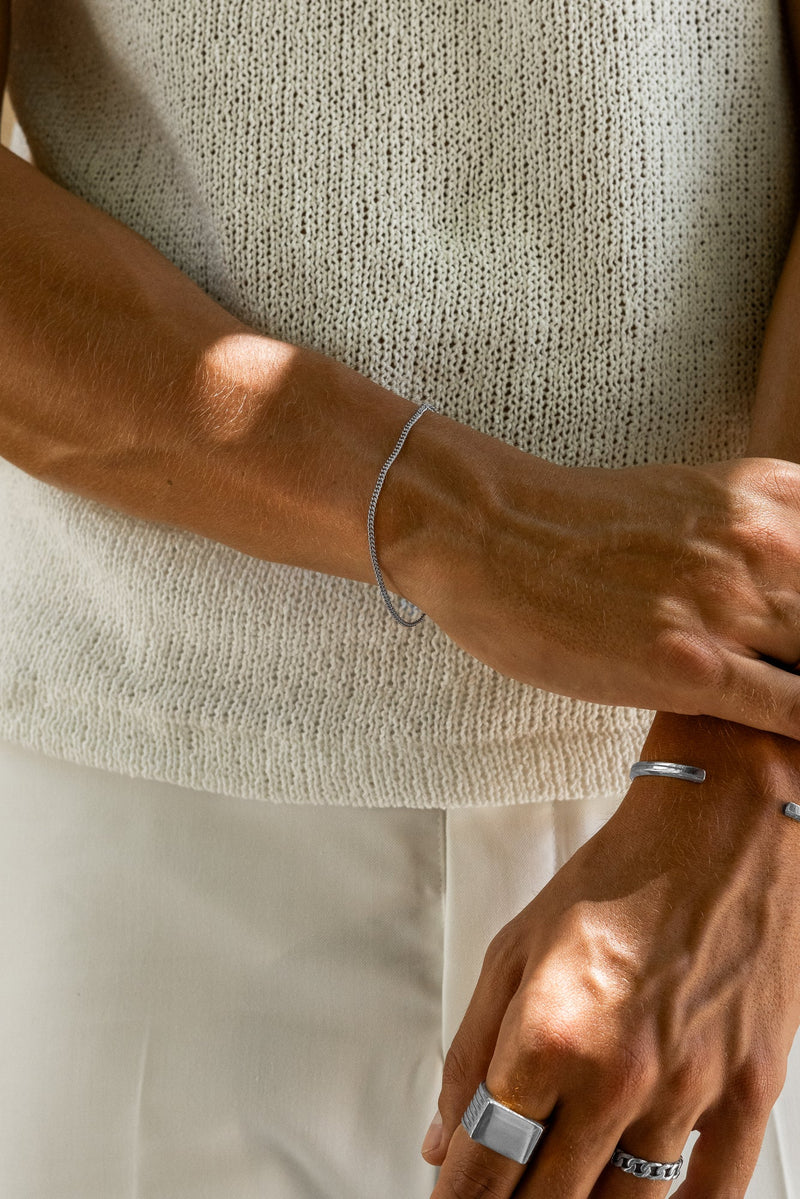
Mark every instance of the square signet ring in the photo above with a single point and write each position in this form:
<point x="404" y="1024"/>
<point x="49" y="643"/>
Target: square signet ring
<point x="499" y="1128"/>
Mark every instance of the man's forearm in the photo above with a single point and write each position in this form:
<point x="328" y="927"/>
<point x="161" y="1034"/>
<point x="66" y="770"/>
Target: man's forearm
<point x="775" y="430"/>
<point x="121" y="380"/>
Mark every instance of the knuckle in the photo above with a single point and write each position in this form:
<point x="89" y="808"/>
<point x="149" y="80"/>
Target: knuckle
<point x="687" y="1084"/>
<point x="689" y="659"/>
<point x="760" y="533"/>
<point x="780" y="480"/>
<point x="782" y="605"/>
<point x="771" y="543"/>
<point x="502" y="953"/>
<point x="780" y="543"/>
<point x="471" y="1180"/>
<point x="621" y="1076"/>
<point x="665" y="1130"/>
<point x="456" y="1072"/>
<point x="689" y="1093"/>
<point x="560" y="1042"/>
<point x="789" y="705"/>
<point x="624" y="1080"/>
<point x="758" y="1084"/>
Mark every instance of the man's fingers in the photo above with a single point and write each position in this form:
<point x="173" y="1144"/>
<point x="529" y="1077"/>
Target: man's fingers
<point x="471" y="1051"/>
<point x="518" y="1080"/>
<point x="762" y="695"/>
<point x="724" y="1156"/>
<point x="471" y="1171"/>
<point x="649" y="1140"/>
<point x="573" y="1154"/>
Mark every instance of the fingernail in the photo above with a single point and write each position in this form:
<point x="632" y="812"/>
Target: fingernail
<point x="434" y="1135"/>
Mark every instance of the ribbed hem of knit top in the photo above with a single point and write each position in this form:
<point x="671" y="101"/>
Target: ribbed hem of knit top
<point x="346" y="773"/>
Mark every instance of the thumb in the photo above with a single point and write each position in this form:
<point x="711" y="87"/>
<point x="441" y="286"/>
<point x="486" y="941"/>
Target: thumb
<point x="472" y="1048"/>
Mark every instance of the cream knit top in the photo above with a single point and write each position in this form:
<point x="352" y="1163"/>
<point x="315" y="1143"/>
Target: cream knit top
<point x="558" y="221"/>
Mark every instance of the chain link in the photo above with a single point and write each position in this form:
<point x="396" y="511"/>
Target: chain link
<point x="640" y="1167"/>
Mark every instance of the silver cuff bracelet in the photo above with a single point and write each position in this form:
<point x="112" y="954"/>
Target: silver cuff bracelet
<point x="692" y="774"/>
<point x="668" y="770"/>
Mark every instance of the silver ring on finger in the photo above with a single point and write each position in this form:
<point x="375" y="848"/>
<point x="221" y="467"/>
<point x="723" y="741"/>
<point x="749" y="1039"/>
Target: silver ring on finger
<point x="640" y="1167"/>
<point x="500" y="1128"/>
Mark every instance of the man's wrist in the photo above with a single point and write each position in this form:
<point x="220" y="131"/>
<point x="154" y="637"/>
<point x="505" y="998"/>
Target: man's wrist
<point x="720" y="740"/>
<point x="298" y="440"/>
<point x="454" y="497"/>
<point x="750" y="775"/>
<point x="436" y="510"/>
<point x="729" y="753"/>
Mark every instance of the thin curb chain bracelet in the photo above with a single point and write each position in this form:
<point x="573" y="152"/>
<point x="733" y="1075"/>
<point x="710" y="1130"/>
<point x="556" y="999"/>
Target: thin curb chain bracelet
<point x="692" y="774"/>
<point x="371" y="518"/>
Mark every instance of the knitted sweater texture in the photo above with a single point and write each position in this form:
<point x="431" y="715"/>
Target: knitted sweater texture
<point x="558" y="221"/>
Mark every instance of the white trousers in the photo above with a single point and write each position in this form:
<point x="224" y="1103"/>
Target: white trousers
<point x="205" y="997"/>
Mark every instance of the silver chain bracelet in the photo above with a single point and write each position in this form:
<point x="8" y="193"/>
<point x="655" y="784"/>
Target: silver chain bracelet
<point x="692" y="774"/>
<point x="371" y="518"/>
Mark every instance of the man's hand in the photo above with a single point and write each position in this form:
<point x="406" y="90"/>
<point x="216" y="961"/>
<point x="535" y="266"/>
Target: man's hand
<point x="660" y="586"/>
<point x="651" y="988"/>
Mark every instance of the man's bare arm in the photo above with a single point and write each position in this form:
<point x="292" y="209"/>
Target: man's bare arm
<point x="5" y="25"/>
<point x="122" y="381"/>
<point x="775" y="430"/>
